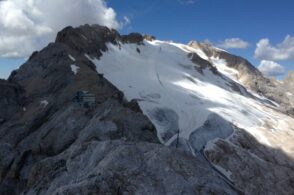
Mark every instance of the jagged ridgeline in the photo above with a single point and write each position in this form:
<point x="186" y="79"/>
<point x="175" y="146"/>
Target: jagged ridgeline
<point x="97" y="112"/>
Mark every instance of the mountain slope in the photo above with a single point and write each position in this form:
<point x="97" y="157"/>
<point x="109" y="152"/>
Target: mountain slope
<point x="250" y="77"/>
<point x="225" y="134"/>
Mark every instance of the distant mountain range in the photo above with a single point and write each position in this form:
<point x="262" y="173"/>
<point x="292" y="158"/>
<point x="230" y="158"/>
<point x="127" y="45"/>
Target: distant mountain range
<point x="97" y="112"/>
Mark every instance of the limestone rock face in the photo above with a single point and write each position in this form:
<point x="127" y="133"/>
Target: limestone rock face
<point x="118" y="167"/>
<point x="245" y="163"/>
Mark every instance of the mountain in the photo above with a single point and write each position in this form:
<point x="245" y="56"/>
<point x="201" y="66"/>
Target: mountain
<point x="168" y="118"/>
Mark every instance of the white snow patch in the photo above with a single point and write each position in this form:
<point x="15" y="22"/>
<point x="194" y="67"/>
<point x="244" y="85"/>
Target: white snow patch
<point x="289" y="94"/>
<point x="44" y="103"/>
<point x="189" y="49"/>
<point x="74" y="68"/>
<point x="223" y="68"/>
<point x="88" y="57"/>
<point x="72" y="58"/>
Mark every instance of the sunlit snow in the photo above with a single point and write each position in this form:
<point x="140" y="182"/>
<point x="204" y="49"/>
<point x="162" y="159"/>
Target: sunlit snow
<point x="172" y="93"/>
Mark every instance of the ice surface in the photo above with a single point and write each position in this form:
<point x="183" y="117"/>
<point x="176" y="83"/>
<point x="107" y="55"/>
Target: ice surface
<point x="168" y="88"/>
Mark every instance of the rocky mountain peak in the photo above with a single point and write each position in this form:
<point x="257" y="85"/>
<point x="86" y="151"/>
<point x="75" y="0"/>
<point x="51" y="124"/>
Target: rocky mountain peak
<point x="206" y="47"/>
<point x="88" y="39"/>
<point x="92" y="39"/>
<point x="237" y="62"/>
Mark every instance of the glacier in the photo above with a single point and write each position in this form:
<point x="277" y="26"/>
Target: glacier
<point x="178" y="95"/>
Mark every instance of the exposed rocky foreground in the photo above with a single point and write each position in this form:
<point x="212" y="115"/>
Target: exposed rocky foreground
<point x="51" y="145"/>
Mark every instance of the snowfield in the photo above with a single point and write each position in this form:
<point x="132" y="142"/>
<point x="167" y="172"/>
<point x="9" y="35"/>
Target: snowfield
<point x="177" y="97"/>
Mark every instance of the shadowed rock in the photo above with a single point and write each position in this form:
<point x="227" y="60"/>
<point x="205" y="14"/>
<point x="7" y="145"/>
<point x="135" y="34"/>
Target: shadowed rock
<point x="132" y="38"/>
<point x="11" y="100"/>
<point x="214" y="127"/>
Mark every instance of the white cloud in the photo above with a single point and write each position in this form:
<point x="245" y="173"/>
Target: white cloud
<point x="28" y="25"/>
<point x="270" y="68"/>
<point x="126" y="21"/>
<point x="282" y="51"/>
<point x="234" y="43"/>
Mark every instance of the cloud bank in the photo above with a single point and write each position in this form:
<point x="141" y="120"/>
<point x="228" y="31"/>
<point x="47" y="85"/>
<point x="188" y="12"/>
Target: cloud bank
<point x="28" y="25"/>
<point x="234" y="43"/>
<point x="282" y="51"/>
<point x="270" y="68"/>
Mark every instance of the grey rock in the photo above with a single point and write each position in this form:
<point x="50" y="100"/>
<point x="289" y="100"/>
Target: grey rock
<point x="112" y="121"/>
<point x="253" y="167"/>
<point x="124" y="168"/>
<point x="11" y="100"/>
<point x="7" y="155"/>
<point x="132" y="38"/>
<point x="88" y="39"/>
<point x="201" y="63"/>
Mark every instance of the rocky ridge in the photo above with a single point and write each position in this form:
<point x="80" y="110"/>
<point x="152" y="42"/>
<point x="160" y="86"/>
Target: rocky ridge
<point x="253" y="78"/>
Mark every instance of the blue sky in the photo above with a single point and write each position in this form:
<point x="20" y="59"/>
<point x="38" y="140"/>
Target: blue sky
<point x="213" y="20"/>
